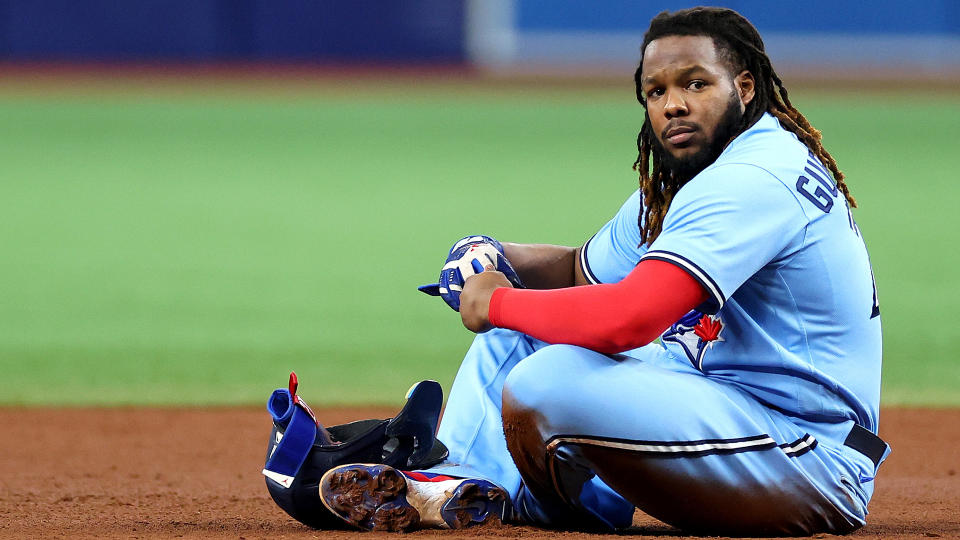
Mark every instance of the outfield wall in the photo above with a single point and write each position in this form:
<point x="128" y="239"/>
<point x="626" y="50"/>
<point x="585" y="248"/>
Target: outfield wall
<point x="846" y="36"/>
<point x="920" y="36"/>
<point x="421" y="31"/>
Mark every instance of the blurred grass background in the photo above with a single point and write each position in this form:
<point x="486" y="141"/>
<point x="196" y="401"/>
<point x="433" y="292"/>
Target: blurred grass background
<point x="194" y="246"/>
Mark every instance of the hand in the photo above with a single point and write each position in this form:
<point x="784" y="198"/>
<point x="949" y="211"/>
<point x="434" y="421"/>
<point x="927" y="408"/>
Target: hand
<point x="475" y="298"/>
<point x="466" y="258"/>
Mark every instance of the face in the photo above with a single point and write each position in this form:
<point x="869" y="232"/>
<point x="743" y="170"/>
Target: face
<point x="694" y="102"/>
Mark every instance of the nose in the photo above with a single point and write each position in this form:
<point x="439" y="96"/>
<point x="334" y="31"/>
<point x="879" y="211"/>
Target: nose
<point x="674" y="105"/>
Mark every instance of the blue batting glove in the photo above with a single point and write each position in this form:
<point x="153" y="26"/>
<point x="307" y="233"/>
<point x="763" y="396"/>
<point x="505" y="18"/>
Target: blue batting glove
<point x="468" y="257"/>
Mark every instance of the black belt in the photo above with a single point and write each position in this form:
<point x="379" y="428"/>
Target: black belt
<point x="865" y="442"/>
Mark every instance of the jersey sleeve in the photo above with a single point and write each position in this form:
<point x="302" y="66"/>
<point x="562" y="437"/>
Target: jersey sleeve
<point x="725" y="225"/>
<point x="597" y="317"/>
<point x="615" y="249"/>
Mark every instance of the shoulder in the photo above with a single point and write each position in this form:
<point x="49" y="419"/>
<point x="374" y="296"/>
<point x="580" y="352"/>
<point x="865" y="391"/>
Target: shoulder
<point x="766" y="146"/>
<point x="632" y="204"/>
<point x="760" y="165"/>
<point x="630" y="211"/>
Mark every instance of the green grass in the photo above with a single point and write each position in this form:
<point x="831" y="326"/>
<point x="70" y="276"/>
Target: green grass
<point x="194" y="247"/>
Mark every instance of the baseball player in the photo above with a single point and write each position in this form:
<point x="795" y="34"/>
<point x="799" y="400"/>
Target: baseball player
<point x="756" y="411"/>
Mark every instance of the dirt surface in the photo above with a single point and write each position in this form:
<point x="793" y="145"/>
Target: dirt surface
<point x="195" y="473"/>
<point x="295" y="79"/>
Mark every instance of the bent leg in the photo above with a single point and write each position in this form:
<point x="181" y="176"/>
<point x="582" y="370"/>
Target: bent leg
<point x="694" y="452"/>
<point x="472" y="427"/>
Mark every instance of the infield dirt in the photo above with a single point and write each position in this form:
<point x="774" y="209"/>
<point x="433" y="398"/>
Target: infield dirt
<point x="195" y="473"/>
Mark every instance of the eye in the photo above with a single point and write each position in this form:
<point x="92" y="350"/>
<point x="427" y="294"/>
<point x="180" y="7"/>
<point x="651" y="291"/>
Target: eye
<point x="654" y="93"/>
<point x="697" y="85"/>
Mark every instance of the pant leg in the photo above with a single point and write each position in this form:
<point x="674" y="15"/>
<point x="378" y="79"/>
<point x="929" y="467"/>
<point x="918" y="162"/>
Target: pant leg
<point x="694" y="452"/>
<point x="472" y="427"/>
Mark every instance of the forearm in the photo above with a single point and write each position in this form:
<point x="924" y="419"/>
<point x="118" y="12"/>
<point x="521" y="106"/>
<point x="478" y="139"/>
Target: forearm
<point x="605" y="318"/>
<point x="543" y="266"/>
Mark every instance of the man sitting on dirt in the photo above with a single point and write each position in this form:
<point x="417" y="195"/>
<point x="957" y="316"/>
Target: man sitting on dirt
<point x="755" y="414"/>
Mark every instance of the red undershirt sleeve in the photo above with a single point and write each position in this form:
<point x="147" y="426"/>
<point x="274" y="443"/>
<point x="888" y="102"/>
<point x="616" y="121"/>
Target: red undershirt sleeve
<point x="608" y="318"/>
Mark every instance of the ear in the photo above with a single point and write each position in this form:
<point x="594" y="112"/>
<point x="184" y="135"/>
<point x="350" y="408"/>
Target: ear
<point x="746" y="87"/>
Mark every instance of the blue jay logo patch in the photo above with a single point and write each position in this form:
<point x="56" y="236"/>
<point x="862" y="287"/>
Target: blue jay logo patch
<point x="695" y="333"/>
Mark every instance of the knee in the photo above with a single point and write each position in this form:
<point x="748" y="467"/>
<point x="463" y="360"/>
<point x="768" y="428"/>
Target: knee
<point x="523" y="430"/>
<point x="523" y="397"/>
<point x="539" y="378"/>
<point x="536" y="407"/>
<point x="533" y="396"/>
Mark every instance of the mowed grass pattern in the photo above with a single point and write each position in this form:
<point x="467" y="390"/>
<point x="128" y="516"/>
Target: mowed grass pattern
<point x="194" y="247"/>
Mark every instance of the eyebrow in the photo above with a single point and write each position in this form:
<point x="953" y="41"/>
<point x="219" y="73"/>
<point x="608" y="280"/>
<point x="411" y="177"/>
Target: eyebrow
<point x="685" y="72"/>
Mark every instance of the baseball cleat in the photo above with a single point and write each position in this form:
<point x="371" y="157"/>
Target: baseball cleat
<point x="381" y="498"/>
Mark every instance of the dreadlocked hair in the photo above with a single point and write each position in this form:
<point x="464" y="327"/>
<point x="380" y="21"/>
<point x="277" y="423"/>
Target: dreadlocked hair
<point x="739" y="44"/>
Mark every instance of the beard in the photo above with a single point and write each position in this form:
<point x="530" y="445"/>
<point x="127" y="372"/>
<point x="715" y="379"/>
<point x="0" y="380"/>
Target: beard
<point x="685" y="168"/>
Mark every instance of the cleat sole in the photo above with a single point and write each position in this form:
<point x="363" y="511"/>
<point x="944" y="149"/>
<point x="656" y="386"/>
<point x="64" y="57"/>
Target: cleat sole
<point x="370" y="497"/>
<point x="378" y="498"/>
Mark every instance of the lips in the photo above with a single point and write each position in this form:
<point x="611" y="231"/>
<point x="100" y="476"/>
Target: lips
<point x="679" y="134"/>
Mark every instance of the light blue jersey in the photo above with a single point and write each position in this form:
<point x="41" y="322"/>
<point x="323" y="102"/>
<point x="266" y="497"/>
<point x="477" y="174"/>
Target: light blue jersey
<point x="792" y="316"/>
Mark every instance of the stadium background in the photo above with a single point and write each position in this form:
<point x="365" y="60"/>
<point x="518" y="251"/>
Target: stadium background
<point x="200" y="196"/>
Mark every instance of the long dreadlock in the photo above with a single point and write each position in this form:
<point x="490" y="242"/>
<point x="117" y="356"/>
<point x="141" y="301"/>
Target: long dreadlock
<point x="740" y="45"/>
